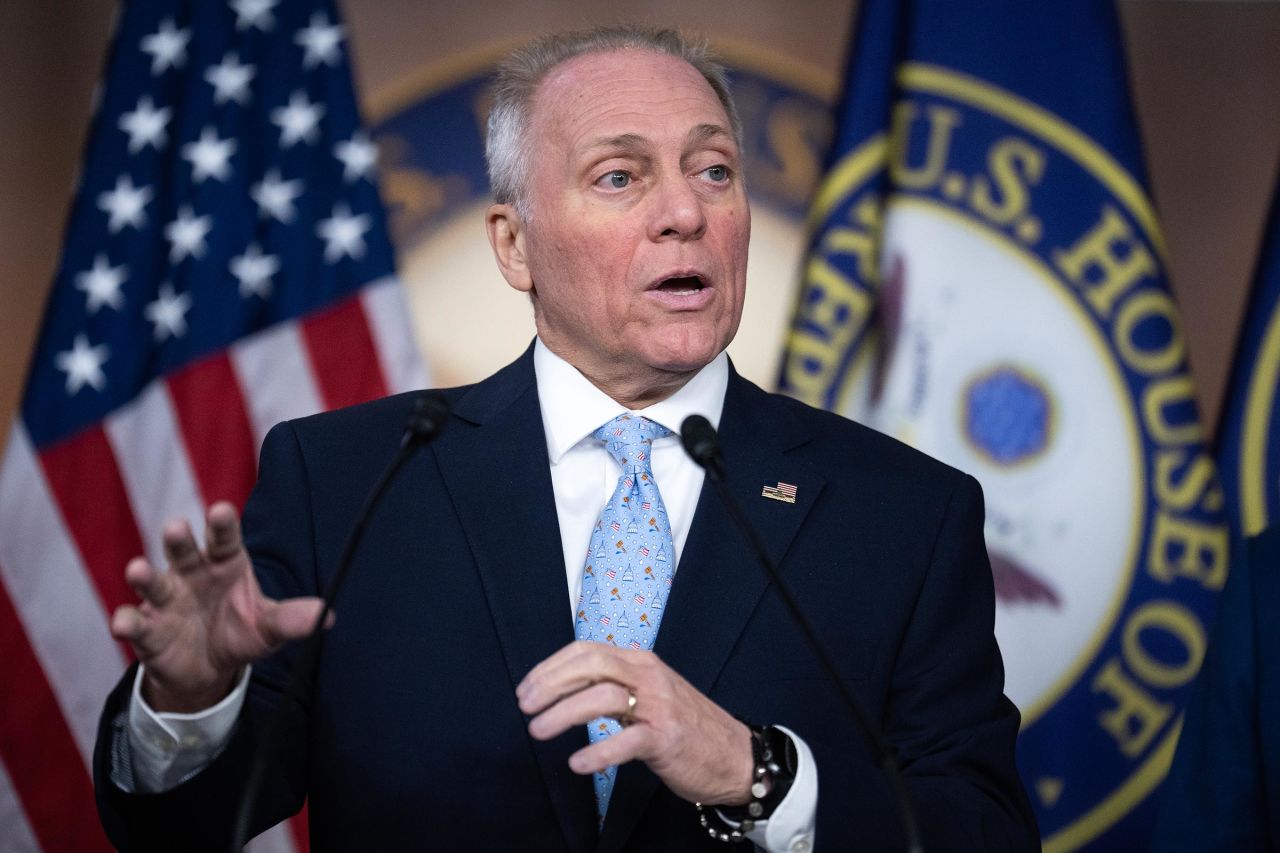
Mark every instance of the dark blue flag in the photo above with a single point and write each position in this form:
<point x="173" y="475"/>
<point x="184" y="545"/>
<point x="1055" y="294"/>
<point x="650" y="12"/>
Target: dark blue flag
<point x="986" y="281"/>
<point x="1249" y="436"/>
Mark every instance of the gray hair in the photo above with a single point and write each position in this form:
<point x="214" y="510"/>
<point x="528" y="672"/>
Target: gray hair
<point x="507" y="143"/>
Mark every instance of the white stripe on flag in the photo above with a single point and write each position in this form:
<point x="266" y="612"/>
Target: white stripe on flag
<point x="275" y="378"/>
<point x="402" y="361"/>
<point x="146" y="439"/>
<point x="18" y="837"/>
<point x="277" y="839"/>
<point x="56" y="601"/>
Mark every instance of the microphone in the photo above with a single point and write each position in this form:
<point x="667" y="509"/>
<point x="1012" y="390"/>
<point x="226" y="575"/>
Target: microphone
<point x="430" y="411"/>
<point x="703" y="446"/>
<point x="429" y="416"/>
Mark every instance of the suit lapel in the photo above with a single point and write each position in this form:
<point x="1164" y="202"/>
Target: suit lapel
<point x="494" y="465"/>
<point x="719" y="580"/>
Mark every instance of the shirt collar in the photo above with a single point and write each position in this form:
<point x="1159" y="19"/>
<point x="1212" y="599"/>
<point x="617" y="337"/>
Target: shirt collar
<point x="573" y="408"/>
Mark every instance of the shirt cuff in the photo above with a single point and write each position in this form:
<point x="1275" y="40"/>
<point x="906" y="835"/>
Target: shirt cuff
<point x="166" y="748"/>
<point x="792" y="826"/>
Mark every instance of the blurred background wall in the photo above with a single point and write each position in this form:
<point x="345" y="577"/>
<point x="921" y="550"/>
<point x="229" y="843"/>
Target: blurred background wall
<point x="1204" y="75"/>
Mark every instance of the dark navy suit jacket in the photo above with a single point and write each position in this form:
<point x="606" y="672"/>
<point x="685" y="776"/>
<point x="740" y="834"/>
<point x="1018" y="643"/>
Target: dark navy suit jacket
<point x="413" y="739"/>
<point x="1223" y="790"/>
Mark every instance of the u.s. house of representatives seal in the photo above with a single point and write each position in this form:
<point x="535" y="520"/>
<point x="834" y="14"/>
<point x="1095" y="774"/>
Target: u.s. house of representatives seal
<point x="987" y="285"/>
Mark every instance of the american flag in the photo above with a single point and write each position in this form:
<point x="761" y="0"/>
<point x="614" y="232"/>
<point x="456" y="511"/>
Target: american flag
<point x="226" y="266"/>
<point x="785" y="492"/>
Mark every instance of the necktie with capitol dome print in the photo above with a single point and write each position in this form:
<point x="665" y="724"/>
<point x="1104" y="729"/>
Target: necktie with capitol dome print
<point x="630" y="563"/>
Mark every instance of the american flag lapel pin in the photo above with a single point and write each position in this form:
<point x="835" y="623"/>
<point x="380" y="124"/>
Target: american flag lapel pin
<point x="784" y="492"/>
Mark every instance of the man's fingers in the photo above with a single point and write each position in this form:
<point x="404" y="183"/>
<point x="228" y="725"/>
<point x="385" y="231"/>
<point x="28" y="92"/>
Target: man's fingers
<point x="573" y="668"/>
<point x="613" y="751"/>
<point x="290" y="619"/>
<point x="180" y="548"/>
<point x="129" y="625"/>
<point x="606" y="699"/>
<point x="222" y="532"/>
<point x="542" y="673"/>
<point x="149" y="583"/>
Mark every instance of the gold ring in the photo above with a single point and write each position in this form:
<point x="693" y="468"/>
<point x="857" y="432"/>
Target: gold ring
<point x="628" y="716"/>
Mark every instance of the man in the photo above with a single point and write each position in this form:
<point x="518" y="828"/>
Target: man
<point x="453" y="708"/>
<point x="1221" y="790"/>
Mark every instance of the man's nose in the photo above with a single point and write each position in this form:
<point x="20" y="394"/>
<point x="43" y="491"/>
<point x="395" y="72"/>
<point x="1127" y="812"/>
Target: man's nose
<point x="677" y="211"/>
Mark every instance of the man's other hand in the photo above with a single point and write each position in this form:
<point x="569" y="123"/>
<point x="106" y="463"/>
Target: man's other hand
<point x="696" y="747"/>
<point x="201" y="621"/>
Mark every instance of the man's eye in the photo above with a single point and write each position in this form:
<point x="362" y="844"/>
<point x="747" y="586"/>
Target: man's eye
<point x="618" y="179"/>
<point x="718" y="173"/>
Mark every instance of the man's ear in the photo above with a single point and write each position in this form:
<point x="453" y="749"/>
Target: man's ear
<point x="507" y="237"/>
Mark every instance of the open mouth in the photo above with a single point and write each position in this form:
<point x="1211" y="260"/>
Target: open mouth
<point x="682" y="284"/>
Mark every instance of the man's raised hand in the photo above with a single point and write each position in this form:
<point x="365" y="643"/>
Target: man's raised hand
<point x="199" y="623"/>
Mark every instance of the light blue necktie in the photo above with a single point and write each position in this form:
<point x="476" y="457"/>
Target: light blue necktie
<point x="630" y="563"/>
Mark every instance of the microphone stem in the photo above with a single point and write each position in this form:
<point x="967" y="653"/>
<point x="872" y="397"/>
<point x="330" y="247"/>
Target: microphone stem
<point x="885" y="752"/>
<point x="300" y="682"/>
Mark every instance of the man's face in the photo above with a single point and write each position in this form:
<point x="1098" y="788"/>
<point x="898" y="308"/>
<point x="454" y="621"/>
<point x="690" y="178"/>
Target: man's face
<point x="636" y="246"/>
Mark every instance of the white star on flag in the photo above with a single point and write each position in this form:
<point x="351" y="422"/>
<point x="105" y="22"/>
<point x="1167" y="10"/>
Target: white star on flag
<point x="358" y="155"/>
<point x="254" y="13"/>
<point x="167" y="46"/>
<point x="320" y="41"/>
<point x="146" y="125"/>
<point x="125" y="205"/>
<point x="101" y="284"/>
<point x="230" y="80"/>
<point x="83" y="365"/>
<point x="343" y="233"/>
<point x="186" y="234"/>
<point x="169" y="312"/>
<point x="209" y="156"/>
<point x="298" y="120"/>
<point x="275" y="197"/>
<point x="254" y="270"/>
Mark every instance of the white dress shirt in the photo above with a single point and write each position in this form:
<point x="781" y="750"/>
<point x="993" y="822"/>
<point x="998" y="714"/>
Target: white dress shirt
<point x="166" y="748"/>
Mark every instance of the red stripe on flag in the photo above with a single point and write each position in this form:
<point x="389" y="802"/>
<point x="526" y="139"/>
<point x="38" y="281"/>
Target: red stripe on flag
<point x="211" y="413"/>
<point x="300" y="827"/>
<point x="86" y="484"/>
<point x="340" y="346"/>
<point x="45" y="766"/>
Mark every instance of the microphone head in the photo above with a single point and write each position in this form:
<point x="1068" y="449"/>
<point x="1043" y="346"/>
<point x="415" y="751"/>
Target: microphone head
<point x="430" y="413"/>
<point x="702" y="444"/>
